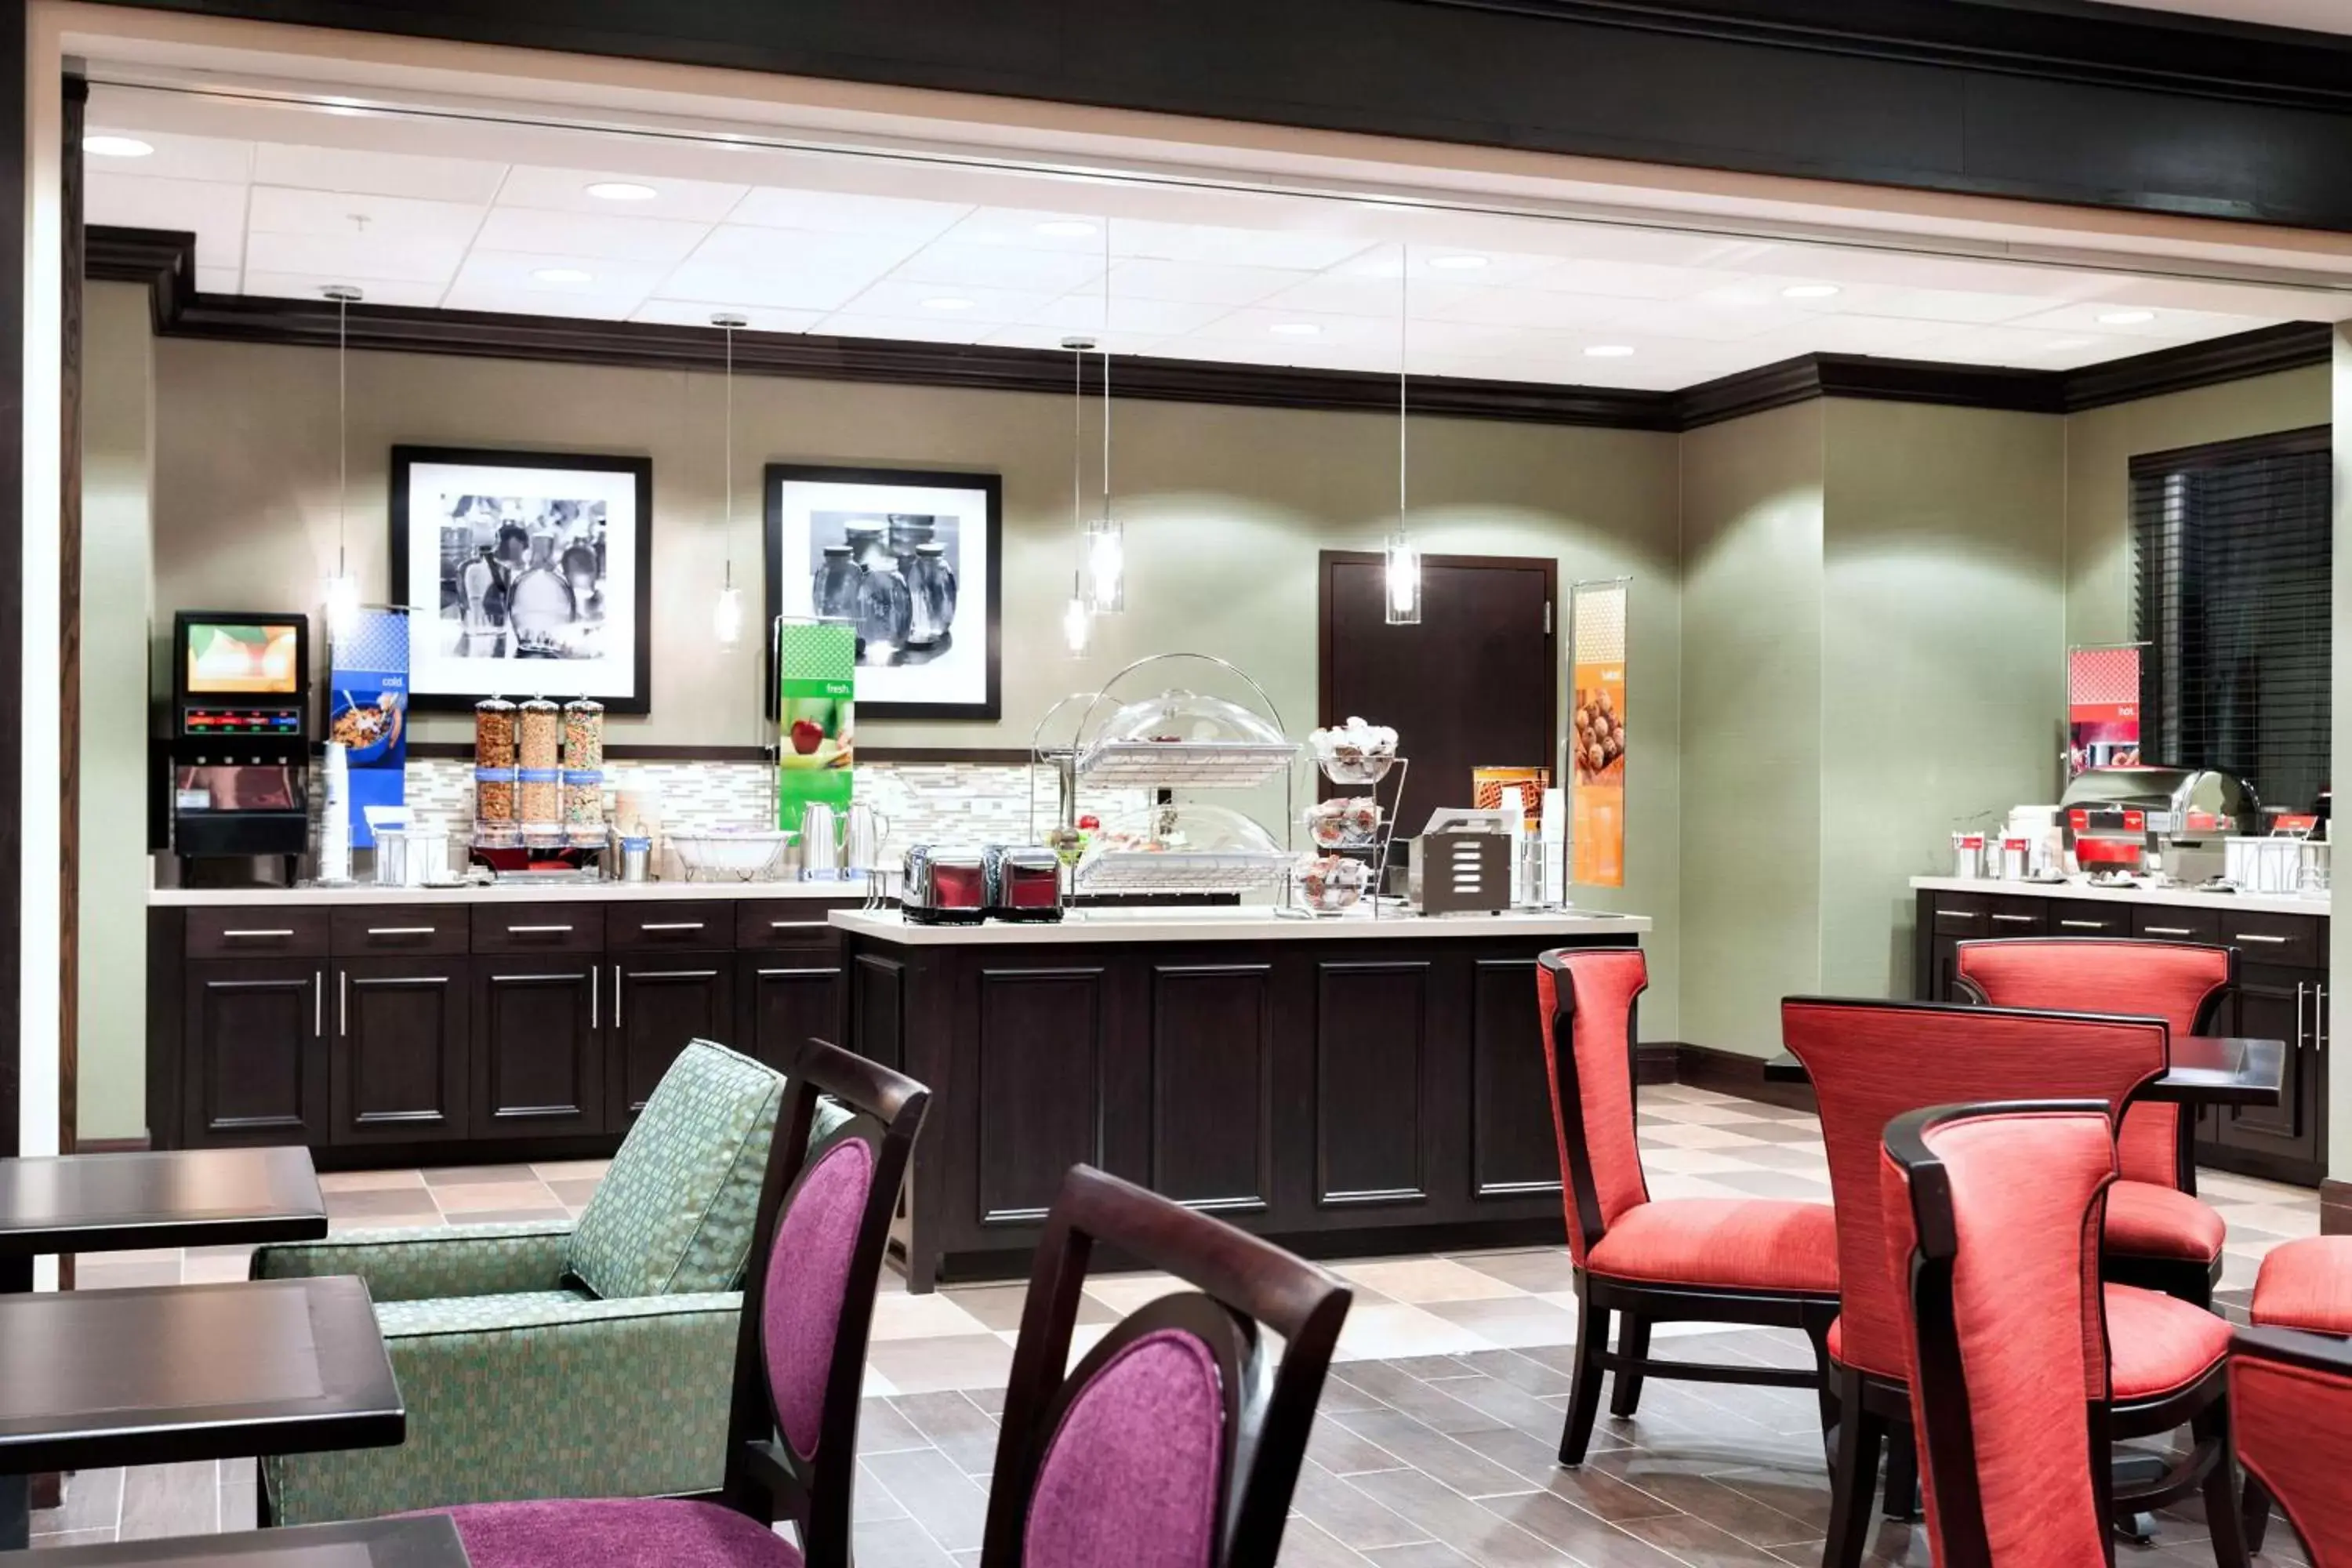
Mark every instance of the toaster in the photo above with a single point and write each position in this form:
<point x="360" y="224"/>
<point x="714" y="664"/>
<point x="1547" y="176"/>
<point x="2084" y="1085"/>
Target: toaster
<point x="1025" y="882"/>
<point x="943" y="887"/>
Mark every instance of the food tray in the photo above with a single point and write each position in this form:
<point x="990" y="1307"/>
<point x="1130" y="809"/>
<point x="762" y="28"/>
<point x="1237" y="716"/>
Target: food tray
<point x="1177" y="870"/>
<point x="1141" y="764"/>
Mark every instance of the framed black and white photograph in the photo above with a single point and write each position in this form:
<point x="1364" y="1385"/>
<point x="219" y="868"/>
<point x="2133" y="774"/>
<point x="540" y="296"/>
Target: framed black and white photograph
<point x="526" y="573"/>
<point x="911" y="558"/>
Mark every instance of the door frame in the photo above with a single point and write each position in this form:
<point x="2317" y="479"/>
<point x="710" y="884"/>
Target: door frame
<point x="1325" y="560"/>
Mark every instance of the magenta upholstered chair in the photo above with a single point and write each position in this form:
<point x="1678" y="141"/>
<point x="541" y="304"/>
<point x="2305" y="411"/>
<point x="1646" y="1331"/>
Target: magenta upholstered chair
<point x="1176" y="1442"/>
<point x="808" y="1304"/>
<point x="1721" y="1260"/>
<point x="2159" y="1234"/>
<point x="2291" y="1393"/>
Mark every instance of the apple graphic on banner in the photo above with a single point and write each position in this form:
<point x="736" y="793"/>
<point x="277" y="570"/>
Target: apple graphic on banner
<point x="807" y="736"/>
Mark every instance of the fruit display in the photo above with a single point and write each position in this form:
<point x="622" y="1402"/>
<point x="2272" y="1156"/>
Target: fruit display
<point x="1355" y="752"/>
<point x="1597" y="730"/>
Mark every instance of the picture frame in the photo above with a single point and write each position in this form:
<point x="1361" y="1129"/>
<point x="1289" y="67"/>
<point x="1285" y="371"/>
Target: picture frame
<point x="918" y="557"/>
<point x="525" y="574"/>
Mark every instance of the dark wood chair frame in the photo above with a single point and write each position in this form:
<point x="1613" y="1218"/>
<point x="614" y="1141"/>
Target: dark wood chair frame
<point x="2306" y="1352"/>
<point x="764" y="1478"/>
<point x="1642" y="1303"/>
<point x="2202" y="1406"/>
<point x="2193" y="1282"/>
<point x="1240" y="1283"/>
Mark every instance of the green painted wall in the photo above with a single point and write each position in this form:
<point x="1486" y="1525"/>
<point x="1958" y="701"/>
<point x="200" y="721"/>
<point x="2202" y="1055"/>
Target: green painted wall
<point x="1942" y="656"/>
<point x="1752" y="586"/>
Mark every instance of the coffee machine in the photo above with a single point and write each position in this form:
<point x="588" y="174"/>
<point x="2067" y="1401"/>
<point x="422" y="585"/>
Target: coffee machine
<point x="236" y="760"/>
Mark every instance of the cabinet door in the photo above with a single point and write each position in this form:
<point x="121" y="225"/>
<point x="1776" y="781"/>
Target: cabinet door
<point x="539" y="1045"/>
<point x="1949" y="919"/>
<point x="400" y="1057"/>
<point x="2280" y="1004"/>
<point x="660" y="1002"/>
<point x="785" y="998"/>
<point x="256" y="1052"/>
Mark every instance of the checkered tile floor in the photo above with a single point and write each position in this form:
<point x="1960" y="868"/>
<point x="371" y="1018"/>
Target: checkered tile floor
<point x="1435" y="1445"/>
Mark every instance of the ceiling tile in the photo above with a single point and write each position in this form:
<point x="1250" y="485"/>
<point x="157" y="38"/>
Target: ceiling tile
<point x="842" y="212"/>
<point x="176" y="157"/>
<point x="686" y="313"/>
<point x="1345" y="291"/>
<point x="598" y="236"/>
<point x="606" y="307"/>
<point x="1083" y="312"/>
<point x="1613" y="279"/>
<point x="313" y="285"/>
<point x="541" y="189"/>
<point x="986" y="306"/>
<point x="510" y="270"/>
<point x="1002" y="266"/>
<point x="1020" y="227"/>
<point x="1043" y="335"/>
<point x="214" y="211"/>
<point x="376" y="174"/>
<point x="1256" y="328"/>
<point x="356" y="258"/>
<point x="216" y="279"/>
<point x="1202" y="281"/>
<point x="2026" y="347"/>
<point x="2084" y="318"/>
<point x="1303" y="250"/>
<point x="276" y="209"/>
<point x="851" y="325"/>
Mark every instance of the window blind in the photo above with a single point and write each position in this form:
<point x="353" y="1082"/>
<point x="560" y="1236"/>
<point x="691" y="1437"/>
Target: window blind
<point x="2232" y="552"/>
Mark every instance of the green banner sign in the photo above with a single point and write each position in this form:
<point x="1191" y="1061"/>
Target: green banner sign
<point x="816" y="707"/>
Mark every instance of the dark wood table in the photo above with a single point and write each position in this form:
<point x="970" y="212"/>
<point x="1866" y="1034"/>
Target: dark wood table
<point x="2207" y="1070"/>
<point x="196" y="1197"/>
<point x="425" y="1542"/>
<point x="172" y="1373"/>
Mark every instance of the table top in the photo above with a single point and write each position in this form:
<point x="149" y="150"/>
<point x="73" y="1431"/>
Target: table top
<point x="426" y="1542"/>
<point x="2207" y="1070"/>
<point x="172" y="1373"/>
<point x="196" y="1197"/>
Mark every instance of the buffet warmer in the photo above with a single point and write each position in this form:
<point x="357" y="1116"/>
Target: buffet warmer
<point x="2116" y="818"/>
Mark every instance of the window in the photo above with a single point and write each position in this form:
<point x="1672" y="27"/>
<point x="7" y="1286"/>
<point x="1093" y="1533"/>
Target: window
<point x="2233" y="547"/>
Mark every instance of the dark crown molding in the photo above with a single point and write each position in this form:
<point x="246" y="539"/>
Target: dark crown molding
<point x="165" y="263"/>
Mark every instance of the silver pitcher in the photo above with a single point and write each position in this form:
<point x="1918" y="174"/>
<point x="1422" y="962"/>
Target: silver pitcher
<point x="820" y="843"/>
<point x="862" y="839"/>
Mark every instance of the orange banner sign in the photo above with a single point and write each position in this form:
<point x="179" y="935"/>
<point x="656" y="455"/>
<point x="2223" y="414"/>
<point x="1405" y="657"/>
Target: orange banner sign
<point x="1596" y="732"/>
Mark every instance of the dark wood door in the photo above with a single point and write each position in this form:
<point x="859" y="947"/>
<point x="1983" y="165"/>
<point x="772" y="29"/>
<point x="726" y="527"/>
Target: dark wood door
<point x="661" y="1001"/>
<point x="256" y="1065"/>
<point x="2280" y="1004"/>
<point x="538" y="1044"/>
<point x="1474" y="685"/>
<point x="401" y="1057"/>
<point x="1945" y="920"/>
<point x="784" y="1002"/>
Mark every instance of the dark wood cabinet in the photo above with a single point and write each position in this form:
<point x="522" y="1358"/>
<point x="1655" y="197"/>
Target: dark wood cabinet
<point x="539" y="1045"/>
<point x="1945" y="920"/>
<point x="399" y="1059"/>
<point x="660" y="1002"/>
<point x="784" y="999"/>
<point x="255" y="1069"/>
<point x="2288" y="1139"/>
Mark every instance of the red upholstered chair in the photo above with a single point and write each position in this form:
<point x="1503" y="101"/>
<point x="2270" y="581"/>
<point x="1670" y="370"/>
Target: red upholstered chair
<point x="1176" y="1442"/>
<point x="1871" y="1062"/>
<point x="1993" y="1215"/>
<point x="1725" y="1260"/>
<point x="808" y="1303"/>
<point x="2159" y="1234"/>
<point x="2305" y="1284"/>
<point x="2291" y="1393"/>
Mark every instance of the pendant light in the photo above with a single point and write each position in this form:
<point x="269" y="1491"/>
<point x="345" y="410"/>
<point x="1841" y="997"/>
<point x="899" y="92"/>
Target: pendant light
<point x="727" y="615"/>
<point x="1403" y="560"/>
<point x="1079" y="614"/>
<point x="1106" y="559"/>
<point x="342" y="589"/>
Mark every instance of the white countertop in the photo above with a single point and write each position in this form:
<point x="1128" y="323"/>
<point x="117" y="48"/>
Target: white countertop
<point x="2255" y="903"/>
<point x="1244" y="923"/>
<point x="504" y="893"/>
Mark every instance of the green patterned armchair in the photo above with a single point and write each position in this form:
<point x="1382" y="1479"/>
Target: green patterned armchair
<point x="549" y="1360"/>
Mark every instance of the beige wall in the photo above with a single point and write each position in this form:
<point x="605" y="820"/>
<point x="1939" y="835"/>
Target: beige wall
<point x="118" y="415"/>
<point x="2101" y="444"/>
<point x="1752" y="494"/>
<point x="1942" y="657"/>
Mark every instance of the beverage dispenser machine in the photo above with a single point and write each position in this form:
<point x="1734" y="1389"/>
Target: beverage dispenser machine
<point x="238" y="747"/>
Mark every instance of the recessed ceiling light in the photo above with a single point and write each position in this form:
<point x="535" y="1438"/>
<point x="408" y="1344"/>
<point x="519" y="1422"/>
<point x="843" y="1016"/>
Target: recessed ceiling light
<point x="1809" y="291"/>
<point x="1458" y="263"/>
<point x="563" y="275"/>
<point x="620" y="191"/>
<point x="948" y="302"/>
<point x="1066" y="228"/>
<point x="116" y="146"/>
<point x="1295" y="328"/>
<point x="1609" y="350"/>
<point x="2125" y="318"/>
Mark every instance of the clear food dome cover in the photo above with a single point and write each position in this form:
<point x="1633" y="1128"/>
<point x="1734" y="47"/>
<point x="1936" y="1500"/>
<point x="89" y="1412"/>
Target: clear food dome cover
<point x="1185" y="737"/>
<point x="1188" y="718"/>
<point x="1184" y="846"/>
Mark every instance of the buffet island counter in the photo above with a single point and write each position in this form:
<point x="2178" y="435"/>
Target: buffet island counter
<point x="2281" y="943"/>
<point x="1346" y="1086"/>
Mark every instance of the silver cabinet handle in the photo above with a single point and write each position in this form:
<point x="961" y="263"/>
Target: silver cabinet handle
<point x="670" y="925"/>
<point x="2082" y="925"/>
<point x="596" y="992"/>
<point x="616" y="996"/>
<point x="774" y="974"/>
<point x="2170" y="930"/>
<point x="343" y="1002"/>
<point x="400" y="930"/>
<point x="815" y="925"/>
<point x="537" y="930"/>
<point x="2299" y="989"/>
<point x="318" y="1003"/>
<point x="256" y="936"/>
<point x="2269" y="941"/>
<point x="2017" y="919"/>
<point x="2318" y="1019"/>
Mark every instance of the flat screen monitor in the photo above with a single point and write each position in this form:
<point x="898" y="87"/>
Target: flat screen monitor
<point x="250" y="657"/>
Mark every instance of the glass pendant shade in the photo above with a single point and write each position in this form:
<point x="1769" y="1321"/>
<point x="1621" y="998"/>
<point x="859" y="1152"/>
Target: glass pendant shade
<point x="342" y="603"/>
<point x="1077" y="621"/>
<point x="1105" y="566"/>
<point x="1403" y="581"/>
<point x="727" y="616"/>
